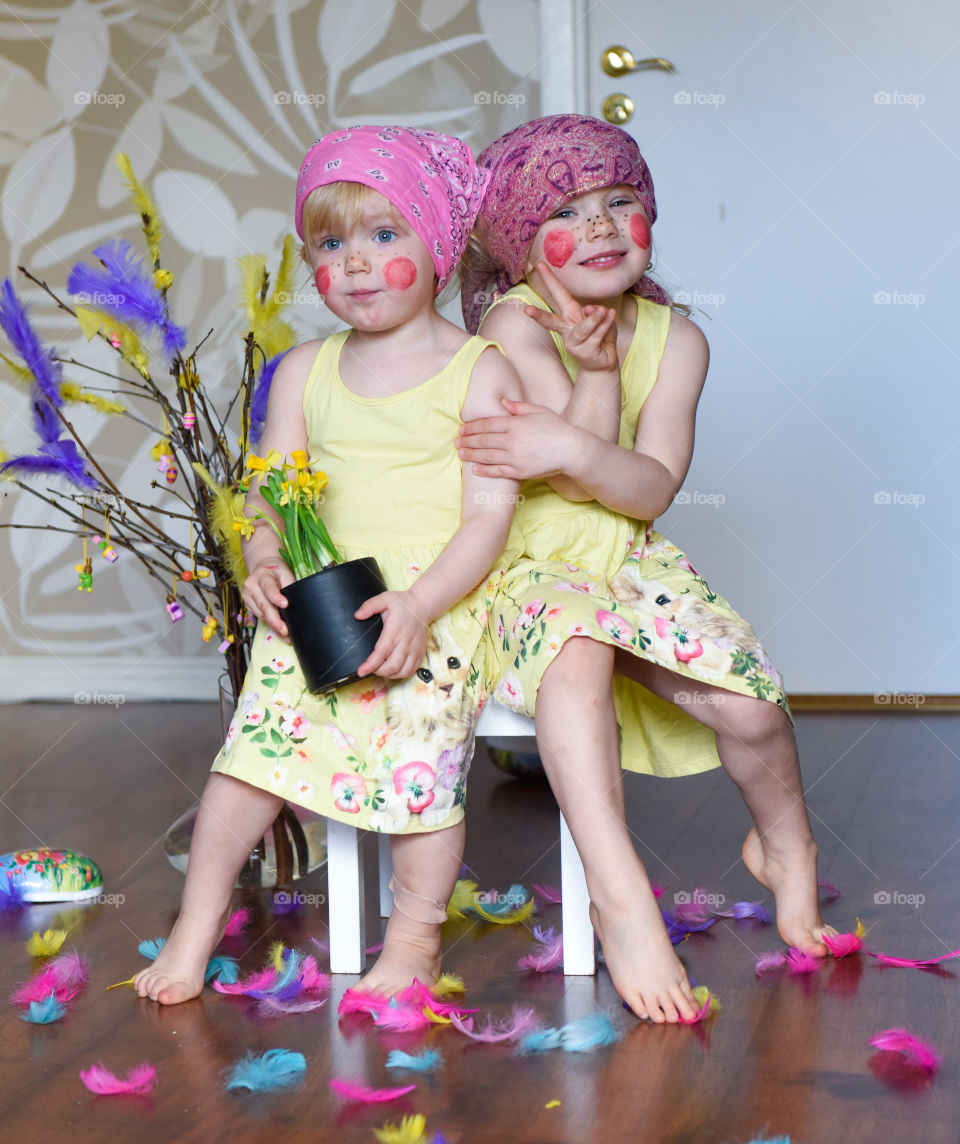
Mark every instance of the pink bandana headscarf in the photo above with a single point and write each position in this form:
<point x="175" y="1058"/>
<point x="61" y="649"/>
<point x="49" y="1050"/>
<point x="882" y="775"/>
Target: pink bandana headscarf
<point x="534" y="170"/>
<point x="429" y="177"/>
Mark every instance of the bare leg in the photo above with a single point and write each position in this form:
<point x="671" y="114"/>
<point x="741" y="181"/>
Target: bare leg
<point x="425" y="869"/>
<point x="579" y="745"/>
<point x="758" y="751"/>
<point x="233" y="816"/>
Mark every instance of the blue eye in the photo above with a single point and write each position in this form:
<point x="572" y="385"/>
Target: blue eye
<point x="564" y="212"/>
<point x="621" y="201"/>
<point x="385" y="234"/>
<point x="330" y="244"/>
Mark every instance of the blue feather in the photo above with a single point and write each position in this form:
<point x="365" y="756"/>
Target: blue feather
<point x="225" y="968"/>
<point x="426" y="1061"/>
<point x="261" y="394"/>
<point x="540" y="1041"/>
<point x="11" y="893"/>
<point x="590" y="1032"/>
<point x="122" y="288"/>
<point x="276" y="1068"/>
<point x="287" y="984"/>
<point x="40" y="362"/>
<point x="44" y="1012"/>
<point x="150" y="947"/>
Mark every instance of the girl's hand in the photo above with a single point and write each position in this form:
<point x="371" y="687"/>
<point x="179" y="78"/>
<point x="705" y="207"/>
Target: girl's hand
<point x="403" y="641"/>
<point x="532" y="442"/>
<point x="589" y="332"/>
<point x="262" y="594"/>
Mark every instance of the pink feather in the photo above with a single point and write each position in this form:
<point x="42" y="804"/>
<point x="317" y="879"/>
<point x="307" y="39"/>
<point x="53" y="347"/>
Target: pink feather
<point x="908" y="963"/>
<point x="521" y="1021"/>
<point x="832" y="893"/>
<point x="701" y="1013"/>
<point x="64" y="977"/>
<point x="312" y="980"/>
<point x="350" y="1090"/>
<point x="362" y="1001"/>
<point x="549" y="954"/>
<point x="323" y="946"/>
<point x="800" y="962"/>
<point x="400" y="1018"/>
<point x="842" y="944"/>
<point x="101" y="1081"/>
<point x="420" y="997"/>
<point x="770" y="961"/>
<point x="267" y="1005"/>
<point x="239" y="920"/>
<point x="262" y="979"/>
<point x="915" y="1052"/>
<point x="657" y="889"/>
<point x="549" y="895"/>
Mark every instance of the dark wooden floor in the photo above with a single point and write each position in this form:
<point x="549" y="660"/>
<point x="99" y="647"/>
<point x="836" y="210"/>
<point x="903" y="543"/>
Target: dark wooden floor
<point x="784" y="1056"/>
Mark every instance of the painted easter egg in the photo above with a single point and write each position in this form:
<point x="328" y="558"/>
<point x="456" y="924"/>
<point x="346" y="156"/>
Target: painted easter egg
<point x="51" y="875"/>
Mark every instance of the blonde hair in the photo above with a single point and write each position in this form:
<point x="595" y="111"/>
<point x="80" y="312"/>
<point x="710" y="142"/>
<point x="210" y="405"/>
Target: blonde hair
<point x="334" y="206"/>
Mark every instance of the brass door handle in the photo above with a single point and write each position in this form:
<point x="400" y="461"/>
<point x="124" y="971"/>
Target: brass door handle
<point x="618" y="60"/>
<point x="617" y="108"/>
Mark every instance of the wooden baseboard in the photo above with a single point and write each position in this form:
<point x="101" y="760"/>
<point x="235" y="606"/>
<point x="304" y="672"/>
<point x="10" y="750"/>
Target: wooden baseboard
<point x="900" y="702"/>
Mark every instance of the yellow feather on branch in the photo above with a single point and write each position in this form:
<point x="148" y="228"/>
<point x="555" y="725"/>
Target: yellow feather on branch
<point x="20" y="372"/>
<point x="264" y="307"/>
<point x="70" y="391"/>
<point x="149" y="215"/>
<point x="93" y="322"/>
<point x="225" y="507"/>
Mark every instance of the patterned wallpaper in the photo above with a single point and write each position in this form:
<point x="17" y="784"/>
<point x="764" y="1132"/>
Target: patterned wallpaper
<point x="215" y="103"/>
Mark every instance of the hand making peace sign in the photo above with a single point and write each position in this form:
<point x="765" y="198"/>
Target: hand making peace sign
<point x="589" y="332"/>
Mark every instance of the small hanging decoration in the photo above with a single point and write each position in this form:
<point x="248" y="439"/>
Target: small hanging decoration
<point x="225" y="645"/>
<point x="171" y="474"/>
<point x="84" y="570"/>
<point x="189" y="419"/>
<point x="176" y="612"/>
<point x="246" y="620"/>
<point x="164" y="461"/>
<point x="209" y="628"/>
<point x="106" y="548"/>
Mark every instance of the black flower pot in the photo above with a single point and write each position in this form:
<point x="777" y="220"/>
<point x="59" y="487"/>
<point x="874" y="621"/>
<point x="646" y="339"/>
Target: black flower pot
<point x="331" y="644"/>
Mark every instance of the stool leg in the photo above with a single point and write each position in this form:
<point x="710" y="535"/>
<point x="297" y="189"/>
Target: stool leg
<point x="579" y="953"/>
<point x="345" y="898"/>
<point x="386" y="871"/>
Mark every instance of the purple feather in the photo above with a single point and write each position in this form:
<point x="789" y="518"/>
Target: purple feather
<point x="40" y="362"/>
<point x="57" y="458"/>
<point x="11" y="893"/>
<point x="261" y="393"/>
<point x="549" y="953"/>
<point x="121" y="287"/>
<point x="743" y="910"/>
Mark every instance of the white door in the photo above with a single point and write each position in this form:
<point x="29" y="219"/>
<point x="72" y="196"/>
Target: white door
<point x="805" y="157"/>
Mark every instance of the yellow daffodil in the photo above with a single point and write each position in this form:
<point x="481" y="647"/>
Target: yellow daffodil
<point x="257" y="464"/>
<point x="299" y="458"/>
<point x="244" y="526"/>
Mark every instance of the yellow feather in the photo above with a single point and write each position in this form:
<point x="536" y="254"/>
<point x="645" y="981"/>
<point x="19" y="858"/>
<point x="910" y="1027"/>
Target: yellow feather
<point x="520" y="914"/>
<point x="448" y="983"/>
<point x="149" y="215"/>
<point x="860" y="931"/>
<point x="20" y="371"/>
<point x="70" y="391"/>
<point x="436" y="1018"/>
<point x="701" y="994"/>
<point x="410" y="1130"/>
<point x="224" y="508"/>
<point x="276" y="955"/>
<point x="131" y="349"/>
<point x="118" y="984"/>
<point x="47" y="944"/>
<point x="271" y="333"/>
<point x="461" y="899"/>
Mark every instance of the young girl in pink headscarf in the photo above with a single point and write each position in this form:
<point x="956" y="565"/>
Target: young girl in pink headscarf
<point x="384" y="214"/>
<point x="666" y="678"/>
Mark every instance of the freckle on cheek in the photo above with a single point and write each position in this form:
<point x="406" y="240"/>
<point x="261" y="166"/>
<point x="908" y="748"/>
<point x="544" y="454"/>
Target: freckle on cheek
<point x="400" y="273"/>
<point x="322" y="279"/>
<point x="557" y="247"/>
<point x="640" y="231"/>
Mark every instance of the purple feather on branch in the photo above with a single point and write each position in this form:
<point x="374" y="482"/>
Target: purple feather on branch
<point x="41" y="363"/>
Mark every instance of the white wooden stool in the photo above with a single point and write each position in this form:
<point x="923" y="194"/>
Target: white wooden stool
<point x="345" y="877"/>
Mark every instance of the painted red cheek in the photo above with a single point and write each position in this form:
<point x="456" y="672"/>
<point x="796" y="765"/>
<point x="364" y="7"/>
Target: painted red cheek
<point x="640" y="231"/>
<point x="400" y="273"/>
<point x="322" y="279"/>
<point x="557" y="247"/>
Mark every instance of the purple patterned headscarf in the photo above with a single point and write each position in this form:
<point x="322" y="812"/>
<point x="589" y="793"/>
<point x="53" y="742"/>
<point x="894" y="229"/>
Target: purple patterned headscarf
<point x="430" y="178"/>
<point x="534" y="170"/>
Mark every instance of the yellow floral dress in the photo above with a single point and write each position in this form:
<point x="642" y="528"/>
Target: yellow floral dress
<point x="587" y="571"/>
<point x="387" y="755"/>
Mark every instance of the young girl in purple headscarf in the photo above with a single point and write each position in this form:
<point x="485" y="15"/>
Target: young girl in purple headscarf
<point x="666" y="678"/>
<point x="384" y="214"/>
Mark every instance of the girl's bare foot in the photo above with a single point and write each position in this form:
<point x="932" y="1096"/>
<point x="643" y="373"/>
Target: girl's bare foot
<point x="411" y="949"/>
<point x="791" y="876"/>
<point x="645" y="970"/>
<point x="177" y="973"/>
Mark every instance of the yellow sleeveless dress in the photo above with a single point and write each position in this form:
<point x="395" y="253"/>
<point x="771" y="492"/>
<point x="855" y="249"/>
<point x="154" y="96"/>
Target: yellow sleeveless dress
<point x="587" y="571"/>
<point x="387" y="755"/>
